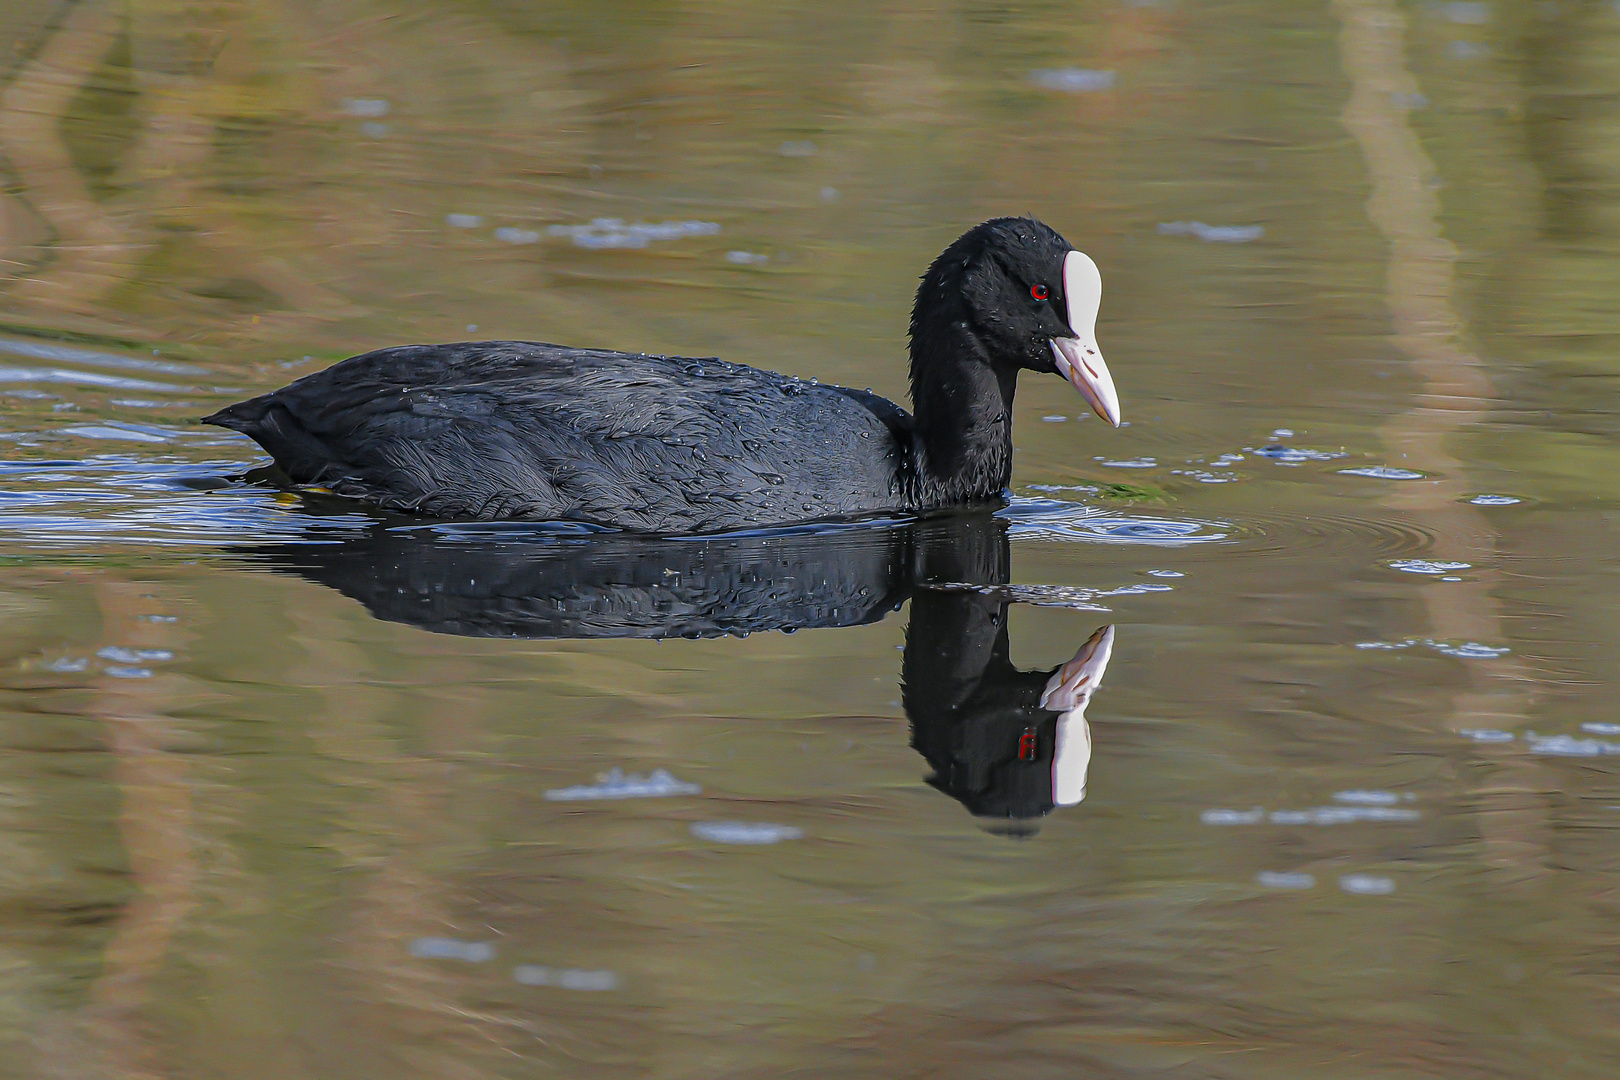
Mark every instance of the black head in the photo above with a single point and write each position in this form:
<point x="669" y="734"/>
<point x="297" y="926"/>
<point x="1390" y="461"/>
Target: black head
<point x="1028" y="299"/>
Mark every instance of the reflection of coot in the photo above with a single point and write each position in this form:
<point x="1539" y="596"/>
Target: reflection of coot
<point x="1007" y="744"/>
<point x="611" y="585"/>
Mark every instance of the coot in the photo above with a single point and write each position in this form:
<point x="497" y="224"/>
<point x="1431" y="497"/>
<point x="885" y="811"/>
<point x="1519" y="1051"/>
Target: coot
<point x="516" y="429"/>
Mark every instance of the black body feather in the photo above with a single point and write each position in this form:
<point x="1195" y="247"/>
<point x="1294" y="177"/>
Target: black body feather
<point x="512" y="429"/>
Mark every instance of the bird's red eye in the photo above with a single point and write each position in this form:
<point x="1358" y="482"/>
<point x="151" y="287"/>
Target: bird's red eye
<point x="1038" y="292"/>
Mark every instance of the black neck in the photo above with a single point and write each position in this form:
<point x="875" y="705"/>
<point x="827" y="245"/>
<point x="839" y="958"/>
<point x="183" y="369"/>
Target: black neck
<point x="962" y="410"/>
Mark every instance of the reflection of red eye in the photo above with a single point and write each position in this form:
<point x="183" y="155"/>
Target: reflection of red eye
<point x="1038" y="292"/>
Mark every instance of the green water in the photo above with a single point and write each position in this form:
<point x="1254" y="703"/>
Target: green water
<point x="273" y="789"/>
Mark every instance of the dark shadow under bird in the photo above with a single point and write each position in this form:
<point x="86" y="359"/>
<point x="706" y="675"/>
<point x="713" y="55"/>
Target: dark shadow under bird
<point x="658" y="444"/>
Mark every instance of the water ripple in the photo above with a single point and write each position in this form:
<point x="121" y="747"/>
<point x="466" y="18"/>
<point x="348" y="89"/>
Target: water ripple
<point x="1051" y="519"/>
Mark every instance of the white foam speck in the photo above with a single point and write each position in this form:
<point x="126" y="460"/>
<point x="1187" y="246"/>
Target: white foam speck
<point x="443" y="948"/>
<point x="1232" y="817"/>
<point x="1213" y="234"/>
<point x="1383" y="472"/>
<point x="617" y="784"/>
<point x="1428" y="566"/>
<point x="1486" y="735"/>
<point x="744" y="832"/>
<point x="1568" y="745"/>
<point x="120" y="655"/>
<point x="1342" y="815"/>
<point x="1273" y="880"/>
<point x="1073" y="80"/>
<point x="565" y="978"/>
<point x="1367" y="798"/>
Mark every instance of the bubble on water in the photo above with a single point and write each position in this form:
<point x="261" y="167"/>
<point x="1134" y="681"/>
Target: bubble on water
<point x="1232" y="817"/>
<point x="615" y="233"/>
<point x="747" y="258"/>
<point x="1133" y="463"/>
<point x="68" y="665"/>
<point x="1367" y="884"/>
<point x="1486" y="735"/>
<point x="1467" y="650"/>
<point x="1271" y="879"/>
<point x="1342" y="815"/>
<point x="1597" y="728"/>
<point x="511" y="235"/>
<point x="120" y="655"/>
<point x="1164" y="573"/>
<point x="744" y="832"/>
<point x="829" y="194"/>
<point x="1054" y="419"/>
<point x="1383" y="472"/>
<point x="1428" y="566"/>
<point x="565" y="978"/>
<point x="1073" y="80"/>
<point x="1367" y="798"/>
<point x="371" y="107"/>
<point x="1213" y="234"/>
<point x="1283" y="433"/>
<point x="1568" y="745"/>
<point x="121" y="672"/>
<point x="443" y="948"/>
<point x="617" y="784"/>
<point x="463" y="221"/>
<point x="1494" y="500"/>
<point x="1295" y="455"/>
<point x="1203" y="477"/>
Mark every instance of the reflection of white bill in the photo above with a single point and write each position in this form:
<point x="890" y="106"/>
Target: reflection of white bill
<point x="1068" y="692"/>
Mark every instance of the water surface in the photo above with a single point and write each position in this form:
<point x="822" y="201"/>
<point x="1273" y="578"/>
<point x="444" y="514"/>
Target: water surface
<point x="290" y="789"/>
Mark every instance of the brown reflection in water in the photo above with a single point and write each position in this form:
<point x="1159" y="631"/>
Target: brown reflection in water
<point x="110" y="1035"/>
<point x="1456" y="394"/>
<point x="92" y="250"/>
<point x="395" y="1008"/>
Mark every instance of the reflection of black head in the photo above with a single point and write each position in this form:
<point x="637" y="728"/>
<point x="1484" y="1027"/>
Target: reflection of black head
<point x="978" y="720"/>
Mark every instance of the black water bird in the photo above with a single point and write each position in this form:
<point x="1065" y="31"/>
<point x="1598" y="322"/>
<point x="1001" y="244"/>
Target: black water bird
<point x="511" y="429"/>
<point x="1008" y="744"/>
